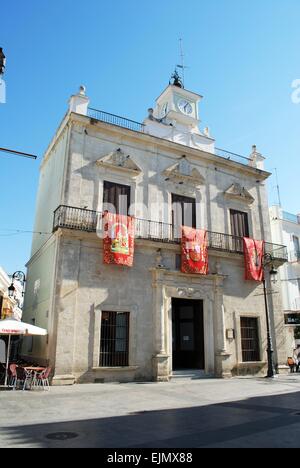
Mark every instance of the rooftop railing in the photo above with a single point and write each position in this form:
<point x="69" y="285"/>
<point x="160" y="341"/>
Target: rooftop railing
<point x="232" y="156"/>
<point x="115" y="120"/>
<point x="139" y="127"/>
<point x="91" y="221"/>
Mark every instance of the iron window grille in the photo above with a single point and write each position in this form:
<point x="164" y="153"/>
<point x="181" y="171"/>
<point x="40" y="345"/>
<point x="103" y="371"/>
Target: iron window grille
<point x="250" y="340"/>
<point x="114" y="346"/>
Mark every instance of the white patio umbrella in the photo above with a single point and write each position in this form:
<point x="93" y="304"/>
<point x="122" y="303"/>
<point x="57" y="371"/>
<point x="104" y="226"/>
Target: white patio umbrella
<point x="10" y="327"/>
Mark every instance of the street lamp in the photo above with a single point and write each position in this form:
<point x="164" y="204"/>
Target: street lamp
<point x="268" y="260"/>
<point x="20" y="276"/>
<point x="11" y="291"/>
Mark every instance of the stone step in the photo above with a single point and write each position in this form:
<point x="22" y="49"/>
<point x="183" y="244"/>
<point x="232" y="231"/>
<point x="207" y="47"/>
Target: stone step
<point x="188" y="375"/>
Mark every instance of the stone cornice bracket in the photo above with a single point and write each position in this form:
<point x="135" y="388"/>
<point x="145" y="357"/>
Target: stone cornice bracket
<point x="118" y="161"/>
<point x="183" y="173"/>
<point x="237" y="192"/>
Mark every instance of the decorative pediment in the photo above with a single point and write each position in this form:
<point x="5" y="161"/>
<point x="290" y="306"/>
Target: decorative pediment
<point x="238" y="192"/>
<point x="119" y="161"/>
<point x="184" y="173"/>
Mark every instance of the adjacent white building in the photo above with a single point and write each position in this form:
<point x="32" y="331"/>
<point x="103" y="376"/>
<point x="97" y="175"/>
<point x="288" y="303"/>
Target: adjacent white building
<point x="112" y="323"/>
<point x="286" y="229"/>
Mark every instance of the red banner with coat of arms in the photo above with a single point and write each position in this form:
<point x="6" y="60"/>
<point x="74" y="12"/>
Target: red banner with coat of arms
<point x="118" y="242"/>
<point x="194" y="251"/>
<point x="254" y="252"/>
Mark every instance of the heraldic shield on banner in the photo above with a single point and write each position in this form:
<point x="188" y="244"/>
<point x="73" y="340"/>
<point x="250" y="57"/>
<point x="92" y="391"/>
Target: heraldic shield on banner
<point x="254" y="252"/>
<point x="118" y="242"/>
<point x="194" y="251"/>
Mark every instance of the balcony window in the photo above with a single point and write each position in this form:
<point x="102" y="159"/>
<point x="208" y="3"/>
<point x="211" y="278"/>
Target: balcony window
<point x="239" y="223"/>
<point x="239" y="229"/>
<point x="183" y="213"/>
<point x="116" y="196"/>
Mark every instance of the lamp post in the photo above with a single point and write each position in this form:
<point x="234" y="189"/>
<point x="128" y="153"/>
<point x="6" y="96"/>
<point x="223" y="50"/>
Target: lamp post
<point x="268" y="260"/>
<point x="20" y="276"/>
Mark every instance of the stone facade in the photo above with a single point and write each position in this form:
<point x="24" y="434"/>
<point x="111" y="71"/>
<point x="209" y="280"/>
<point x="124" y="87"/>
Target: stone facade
<point x="69" y="287"/>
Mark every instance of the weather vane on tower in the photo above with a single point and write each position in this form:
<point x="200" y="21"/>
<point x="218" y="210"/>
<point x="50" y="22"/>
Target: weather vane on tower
<point x="182" y="64"/>
<point x="177" y="79"/>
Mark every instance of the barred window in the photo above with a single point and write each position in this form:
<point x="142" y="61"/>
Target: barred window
<point x="114" y="339"/>
<point x="250" y="341"/>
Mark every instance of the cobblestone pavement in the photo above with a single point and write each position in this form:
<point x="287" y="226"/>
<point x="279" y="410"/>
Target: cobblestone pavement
<point x="242" y="412"/>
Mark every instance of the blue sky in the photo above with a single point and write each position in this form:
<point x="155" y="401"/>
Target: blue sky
<point x="243" y="57"/>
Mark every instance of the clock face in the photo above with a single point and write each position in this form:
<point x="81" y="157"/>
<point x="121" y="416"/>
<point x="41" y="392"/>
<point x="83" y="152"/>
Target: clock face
<point x="185" y="107"/>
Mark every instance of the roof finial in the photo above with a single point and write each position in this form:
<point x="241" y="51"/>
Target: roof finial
<point x="177" y="81"/>
<point x="2" y="61"/>
<point x="82" y="90"/>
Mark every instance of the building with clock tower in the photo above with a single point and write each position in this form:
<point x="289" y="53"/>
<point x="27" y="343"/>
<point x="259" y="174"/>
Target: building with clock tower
<point x="151" y="321"/>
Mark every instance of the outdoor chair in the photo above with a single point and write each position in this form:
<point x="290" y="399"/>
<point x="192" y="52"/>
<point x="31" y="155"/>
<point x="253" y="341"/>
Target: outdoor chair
<point x="13" y="377"/>
<point x="42" y="379"/>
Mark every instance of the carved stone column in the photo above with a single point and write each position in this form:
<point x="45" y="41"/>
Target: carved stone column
<point x="160" y="358"/>
<point x="221" y="354"/>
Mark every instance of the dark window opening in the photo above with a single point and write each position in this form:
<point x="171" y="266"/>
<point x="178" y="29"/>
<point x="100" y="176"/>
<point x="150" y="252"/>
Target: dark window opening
<point x="117" y="196"/>
<point x="239" y="229"/>
<point x="114" y="347"/>
<point x="250" y="340"/>
<point x="239" y="223"/>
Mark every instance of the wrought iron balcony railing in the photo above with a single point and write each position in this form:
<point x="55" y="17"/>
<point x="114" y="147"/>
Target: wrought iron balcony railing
<point x="91" y="221"/>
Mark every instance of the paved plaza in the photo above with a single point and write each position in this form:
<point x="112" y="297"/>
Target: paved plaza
<point x="242" y="412"/>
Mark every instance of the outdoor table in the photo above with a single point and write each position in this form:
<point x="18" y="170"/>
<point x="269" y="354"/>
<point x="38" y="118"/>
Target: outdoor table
<point x="12" y="327"/>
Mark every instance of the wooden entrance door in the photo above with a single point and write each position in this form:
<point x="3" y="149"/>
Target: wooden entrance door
<point x="188" y="334"/>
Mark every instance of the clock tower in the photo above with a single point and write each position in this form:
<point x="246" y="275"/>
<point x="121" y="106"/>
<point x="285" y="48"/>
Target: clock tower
<point x="178" y="105"/>
<point x="176" y="117"/>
